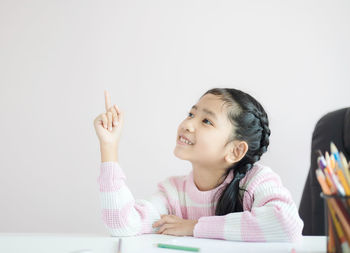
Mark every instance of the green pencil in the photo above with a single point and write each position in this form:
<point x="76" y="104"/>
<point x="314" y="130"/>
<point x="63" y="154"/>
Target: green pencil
<point x="169" y="246"/>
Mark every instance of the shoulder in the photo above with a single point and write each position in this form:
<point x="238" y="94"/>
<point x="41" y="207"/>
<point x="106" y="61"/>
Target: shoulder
<point x="173" y="183"/>
<point x="260" y="174"/>
<point x="262" y="185"/>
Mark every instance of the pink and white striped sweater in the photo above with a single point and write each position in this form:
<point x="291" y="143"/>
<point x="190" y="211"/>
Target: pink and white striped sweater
<point x="270" y="215"/>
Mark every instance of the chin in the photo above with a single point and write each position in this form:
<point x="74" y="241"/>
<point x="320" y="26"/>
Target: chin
<point x="180" y="154"/>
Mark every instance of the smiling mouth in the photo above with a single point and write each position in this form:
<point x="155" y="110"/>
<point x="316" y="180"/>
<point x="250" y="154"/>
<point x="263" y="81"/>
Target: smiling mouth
<point x="182" y="140"/>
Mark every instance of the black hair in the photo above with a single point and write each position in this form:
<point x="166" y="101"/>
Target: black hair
<point x="251" y="125"/>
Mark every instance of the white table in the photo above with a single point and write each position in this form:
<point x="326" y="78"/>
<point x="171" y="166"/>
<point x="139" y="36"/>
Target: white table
<point x="68" y="243"/>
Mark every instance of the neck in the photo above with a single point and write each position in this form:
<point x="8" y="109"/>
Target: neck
<point x="207" y="178"/>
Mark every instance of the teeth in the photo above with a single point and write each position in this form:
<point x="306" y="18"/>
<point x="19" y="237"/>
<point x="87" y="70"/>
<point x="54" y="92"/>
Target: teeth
<point x="185" y="141"/>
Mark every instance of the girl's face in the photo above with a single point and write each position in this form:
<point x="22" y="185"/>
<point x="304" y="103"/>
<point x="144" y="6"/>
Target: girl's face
<point x="206" y="130"/>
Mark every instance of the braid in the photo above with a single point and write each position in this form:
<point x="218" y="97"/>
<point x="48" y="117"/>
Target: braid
<point x="232" y="202"/>
<point x="251" y="125"/>
<point x="265" y="133"/>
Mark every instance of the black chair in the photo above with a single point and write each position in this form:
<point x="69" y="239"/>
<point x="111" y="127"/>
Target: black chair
<point x="334" y="126"/>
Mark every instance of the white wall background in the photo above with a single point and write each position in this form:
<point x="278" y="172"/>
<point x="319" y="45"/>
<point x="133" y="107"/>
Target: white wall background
<point x="156" y="58"/>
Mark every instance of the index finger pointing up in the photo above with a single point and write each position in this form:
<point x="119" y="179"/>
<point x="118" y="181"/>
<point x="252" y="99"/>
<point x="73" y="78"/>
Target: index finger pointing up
<point x="107" y="100"/>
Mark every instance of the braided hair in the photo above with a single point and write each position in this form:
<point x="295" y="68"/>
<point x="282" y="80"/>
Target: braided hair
<point x="251" y="125"/>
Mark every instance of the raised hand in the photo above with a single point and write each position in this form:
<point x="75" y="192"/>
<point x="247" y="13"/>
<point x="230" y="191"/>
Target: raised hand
<point x="108" y="125"/>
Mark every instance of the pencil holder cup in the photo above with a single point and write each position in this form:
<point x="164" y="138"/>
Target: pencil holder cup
<point x="337" y="222"/>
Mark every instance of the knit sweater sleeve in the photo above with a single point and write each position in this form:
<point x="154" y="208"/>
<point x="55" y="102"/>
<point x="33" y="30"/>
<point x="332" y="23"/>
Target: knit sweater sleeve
<point x="270" y="215"/>
<point x="122" y="215"/>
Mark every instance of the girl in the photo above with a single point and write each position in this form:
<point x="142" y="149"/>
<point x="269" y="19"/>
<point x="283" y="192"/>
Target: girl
<point x="227" y="195"/>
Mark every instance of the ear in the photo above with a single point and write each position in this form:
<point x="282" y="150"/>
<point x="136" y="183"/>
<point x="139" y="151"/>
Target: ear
<point x="236" y="152"/>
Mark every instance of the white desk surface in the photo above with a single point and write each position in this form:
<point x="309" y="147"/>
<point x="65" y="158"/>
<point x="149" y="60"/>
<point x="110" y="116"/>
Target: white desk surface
<point x="73" y="243"/>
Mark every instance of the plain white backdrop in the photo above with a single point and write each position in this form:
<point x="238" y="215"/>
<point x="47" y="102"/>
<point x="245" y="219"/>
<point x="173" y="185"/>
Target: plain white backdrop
<point x="156" y="58"/>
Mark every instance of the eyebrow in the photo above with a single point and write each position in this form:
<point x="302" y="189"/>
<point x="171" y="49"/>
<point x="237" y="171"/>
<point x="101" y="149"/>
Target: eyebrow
<point x="206" y="111"/>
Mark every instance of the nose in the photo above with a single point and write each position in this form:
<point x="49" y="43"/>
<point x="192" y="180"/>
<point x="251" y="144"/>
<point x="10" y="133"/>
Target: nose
<point x="188" y="126"/>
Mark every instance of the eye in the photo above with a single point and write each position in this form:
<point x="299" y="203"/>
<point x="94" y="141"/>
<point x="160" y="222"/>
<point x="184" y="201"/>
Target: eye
<point x="205" y="120"/>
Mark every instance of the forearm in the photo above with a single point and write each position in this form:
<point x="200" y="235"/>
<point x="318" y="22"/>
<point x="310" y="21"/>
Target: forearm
<point x="121" y="214"/>
<point x="272" y="222"/>
<point x="109" y="153"/>
<point x="117" y="201"/>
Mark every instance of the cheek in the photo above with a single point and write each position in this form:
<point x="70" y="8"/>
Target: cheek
<point x="211" y="142"/>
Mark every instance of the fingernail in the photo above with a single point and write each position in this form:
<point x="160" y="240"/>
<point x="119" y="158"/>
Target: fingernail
<point x="115" y="123"/>
<point x="110" y="129"/>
